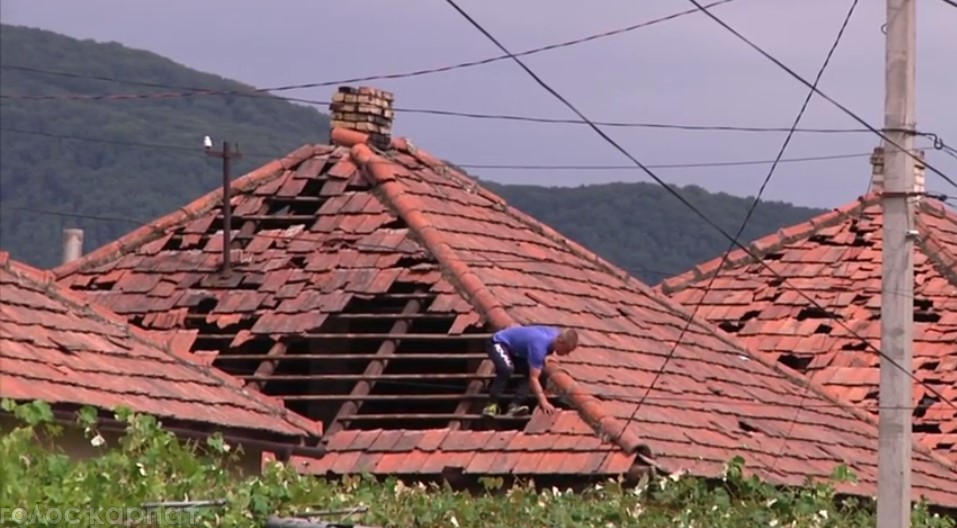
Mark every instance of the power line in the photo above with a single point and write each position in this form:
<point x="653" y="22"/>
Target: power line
<point x="951" y="3"/>
<point x="473" y="166"/>
<point x="787" y="140"/>
<point x="460" y="114"/>
<point x="192" y="92"/>
<point x="684" y="201"/>
<point x="821" y="94"/>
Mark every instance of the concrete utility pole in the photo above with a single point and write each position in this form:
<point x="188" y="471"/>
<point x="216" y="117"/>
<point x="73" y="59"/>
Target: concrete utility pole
<point x="227" y="155"/>
<point x="897" y="285"/>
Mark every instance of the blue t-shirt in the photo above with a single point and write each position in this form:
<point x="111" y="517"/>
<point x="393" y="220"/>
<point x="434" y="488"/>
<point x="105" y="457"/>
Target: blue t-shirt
<point x="531" y="343"/>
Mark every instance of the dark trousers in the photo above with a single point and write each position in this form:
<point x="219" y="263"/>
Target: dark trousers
<point x="505" y="366"/>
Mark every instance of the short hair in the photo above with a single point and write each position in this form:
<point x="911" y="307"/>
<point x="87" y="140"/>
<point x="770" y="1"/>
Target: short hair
<point x="569" y="336"/>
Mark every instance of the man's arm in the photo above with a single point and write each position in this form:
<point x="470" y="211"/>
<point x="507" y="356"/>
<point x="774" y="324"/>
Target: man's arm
<point x="533" y="381"/>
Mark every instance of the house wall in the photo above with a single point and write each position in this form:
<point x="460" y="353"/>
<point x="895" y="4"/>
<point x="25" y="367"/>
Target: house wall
<point x="74" y="443"/>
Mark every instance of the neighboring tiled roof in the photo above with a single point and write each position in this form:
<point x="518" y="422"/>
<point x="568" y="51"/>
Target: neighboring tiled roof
<point x="57" y="346"/>
<point x="330" y="231"/>
<point x="836" y="258"/>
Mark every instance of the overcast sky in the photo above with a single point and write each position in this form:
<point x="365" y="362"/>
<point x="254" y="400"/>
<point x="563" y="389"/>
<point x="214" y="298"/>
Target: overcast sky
<point x="686" y="71"/>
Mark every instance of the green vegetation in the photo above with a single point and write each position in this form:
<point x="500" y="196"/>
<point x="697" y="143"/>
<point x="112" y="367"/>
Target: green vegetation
<point x="636" y="226"/>
<point x="149" y="464"/>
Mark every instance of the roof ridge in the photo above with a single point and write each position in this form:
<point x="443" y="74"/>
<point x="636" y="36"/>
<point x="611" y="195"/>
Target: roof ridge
<point x="156" y="340"/>
<point x="767" y="244"/>
<point x="937" y="251"/>
<point x="383" y="174"/>
<point x="197" y="207"/>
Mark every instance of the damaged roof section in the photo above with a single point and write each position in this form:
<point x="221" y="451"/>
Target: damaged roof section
<point x="331" y="306"/>
<point x="58" y="347"/>
<point x="836" y="260"/>
<point x="319" y="291"/>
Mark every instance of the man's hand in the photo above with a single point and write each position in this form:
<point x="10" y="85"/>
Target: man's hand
<point x="547" y="407"/>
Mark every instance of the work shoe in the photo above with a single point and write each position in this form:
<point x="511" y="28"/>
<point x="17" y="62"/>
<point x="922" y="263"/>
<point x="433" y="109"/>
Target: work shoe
<point x="517" y="410"/>
<point x="490" y="409"/>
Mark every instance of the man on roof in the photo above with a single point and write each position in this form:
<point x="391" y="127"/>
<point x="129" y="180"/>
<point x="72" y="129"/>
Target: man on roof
<point x="525" y="349"/>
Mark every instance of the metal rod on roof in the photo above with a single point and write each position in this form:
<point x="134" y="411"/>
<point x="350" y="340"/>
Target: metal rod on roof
<point x="227" y="155"/>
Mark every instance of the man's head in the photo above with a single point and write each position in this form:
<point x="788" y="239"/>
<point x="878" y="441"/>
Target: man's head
<point x="566" y="342"/>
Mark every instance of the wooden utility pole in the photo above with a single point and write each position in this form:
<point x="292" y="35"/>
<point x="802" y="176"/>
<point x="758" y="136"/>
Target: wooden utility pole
<point x="897" y="285"/>
<point x="227" y="155"/>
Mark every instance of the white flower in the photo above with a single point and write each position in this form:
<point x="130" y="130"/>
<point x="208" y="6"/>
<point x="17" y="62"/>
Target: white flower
<point x="97" y="441"/>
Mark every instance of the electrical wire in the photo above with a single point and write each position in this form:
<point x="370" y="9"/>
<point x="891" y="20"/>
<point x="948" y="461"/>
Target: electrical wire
<point x="470" y="115"/>
<point x="473" y="166"/>
<point x="787" y="140"/>
<point x="821" y="94"/>
<point x="684" y="201"/>
<point x="192" y="92"/>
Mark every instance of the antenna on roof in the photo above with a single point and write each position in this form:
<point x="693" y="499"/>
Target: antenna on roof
<point x="227" y="155"/>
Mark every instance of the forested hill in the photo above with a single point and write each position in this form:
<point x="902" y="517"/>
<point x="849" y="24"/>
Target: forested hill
<point x="45" y="164"/>
<point x="643" y="228"/>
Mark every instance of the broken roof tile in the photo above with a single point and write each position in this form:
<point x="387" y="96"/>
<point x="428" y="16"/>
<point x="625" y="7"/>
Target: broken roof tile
<point x="824" y="348"/>
<point x="501" y="267"/>
<point x="71" y="355"/>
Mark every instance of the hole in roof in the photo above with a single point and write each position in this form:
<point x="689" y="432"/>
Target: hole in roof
<point x="334" y="371"/>
<point x="927" y="428"/>
<point x="920" y="410"/>
<point x="774" y="255"/>
<point x="815" y="312"/>
<point x="922" y="311"/>
<point x="818" y="238"/>
<point x="855" y="345"/>
<point x="395" y="223"/>
<point x="732" y="327"/>
<point x="930" y="365"/>
<point x="748" y="428"/>
<point x="860" y="299"/>
<point x="926" y="317"/>
<point x="823" y="329"/>
<point x="775" y="282"/>
<point x="174" y="242"/>
<point x="205" y="305"/>
<point x="796" y="362"/>
<point x="750" y="315"/>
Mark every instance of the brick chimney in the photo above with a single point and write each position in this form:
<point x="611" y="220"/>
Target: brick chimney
<point x="366" y="110"/>
<point x="877" y="172"/>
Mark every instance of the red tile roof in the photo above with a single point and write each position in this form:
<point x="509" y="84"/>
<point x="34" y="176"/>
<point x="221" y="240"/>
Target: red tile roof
<point x="836" y="258"/>
<point x="57" y="346"/>
<point x="332" y="233"/>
